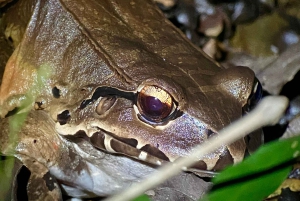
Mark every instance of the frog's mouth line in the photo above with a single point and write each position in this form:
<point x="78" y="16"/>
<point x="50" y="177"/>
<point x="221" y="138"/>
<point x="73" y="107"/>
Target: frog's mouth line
<point x="110" y="143"/>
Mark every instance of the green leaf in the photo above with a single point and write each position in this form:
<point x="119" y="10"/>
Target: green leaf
<point x="6" y="177"/>
<point x="257" y="176"/>
<point x="142" y="198"/>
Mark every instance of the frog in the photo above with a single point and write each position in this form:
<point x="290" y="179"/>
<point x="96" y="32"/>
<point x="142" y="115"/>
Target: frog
<point x="108" y="91"/>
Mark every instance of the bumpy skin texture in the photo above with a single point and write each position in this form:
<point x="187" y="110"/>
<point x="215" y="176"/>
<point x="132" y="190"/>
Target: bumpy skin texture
<point x="79" y="46"/>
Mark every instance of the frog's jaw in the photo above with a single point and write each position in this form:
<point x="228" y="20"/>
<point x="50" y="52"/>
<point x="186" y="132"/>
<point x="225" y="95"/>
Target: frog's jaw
<point x="86" y="172"/>
<point x="108" y="142"/>
<point x="103" y="141"/>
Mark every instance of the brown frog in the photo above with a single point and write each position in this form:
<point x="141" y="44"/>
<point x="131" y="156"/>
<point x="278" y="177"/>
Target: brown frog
<point x="111" y="89"/>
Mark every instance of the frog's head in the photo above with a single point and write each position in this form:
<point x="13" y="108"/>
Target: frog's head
<point x="165" y="116"/>
<point x="127" y="87"/>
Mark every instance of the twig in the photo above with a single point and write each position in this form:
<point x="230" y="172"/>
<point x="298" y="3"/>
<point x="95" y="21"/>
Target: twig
<point x="268" y="112"/>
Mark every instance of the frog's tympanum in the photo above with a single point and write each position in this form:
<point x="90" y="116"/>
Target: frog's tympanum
<point x="111" y="89"/>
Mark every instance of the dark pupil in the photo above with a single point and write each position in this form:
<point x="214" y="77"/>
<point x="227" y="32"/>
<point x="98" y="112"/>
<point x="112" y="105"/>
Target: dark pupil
<point x="153" y="107"/>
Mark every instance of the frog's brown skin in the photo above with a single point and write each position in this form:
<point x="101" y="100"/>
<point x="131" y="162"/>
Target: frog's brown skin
<point x="85" y="46"/>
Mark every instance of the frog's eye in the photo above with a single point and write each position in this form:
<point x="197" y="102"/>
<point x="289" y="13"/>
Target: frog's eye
<point x="155" y="104"/>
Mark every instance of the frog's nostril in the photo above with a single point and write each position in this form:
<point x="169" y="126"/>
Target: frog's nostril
<point x="55" y="92"/>
<point x="63" y="117"/>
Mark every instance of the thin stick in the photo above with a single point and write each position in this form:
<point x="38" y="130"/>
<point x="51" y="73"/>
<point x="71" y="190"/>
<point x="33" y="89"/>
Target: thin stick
<point x="268" y="112"/>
